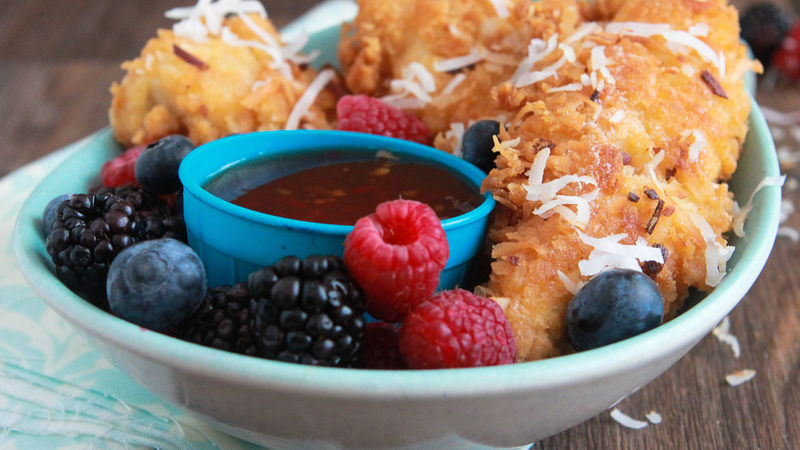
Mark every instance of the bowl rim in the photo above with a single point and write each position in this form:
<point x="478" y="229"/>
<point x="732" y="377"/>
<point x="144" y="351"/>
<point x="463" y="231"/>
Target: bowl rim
<point x="193" y="181"/>
<point x="402" y="385"/>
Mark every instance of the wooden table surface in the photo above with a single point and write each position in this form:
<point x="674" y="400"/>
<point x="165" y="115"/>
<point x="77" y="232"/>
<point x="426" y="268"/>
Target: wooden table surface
<point x="57" y="60"/>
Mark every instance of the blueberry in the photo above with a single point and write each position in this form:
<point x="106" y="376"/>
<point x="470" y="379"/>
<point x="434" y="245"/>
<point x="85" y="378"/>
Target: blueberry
<point x="156" y="284"/>
<point x="50" y="211"/>
<point x="612" y="306"/>
<point x="157" y="166"/>
<point x="477" y="144"/>
<point x="764" y="26"/>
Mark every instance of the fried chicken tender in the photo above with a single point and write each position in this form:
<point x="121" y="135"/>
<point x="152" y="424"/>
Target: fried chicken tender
<point x="618" y="105"/>
<point x="658" y="102"/>
<point x="386" y="37"/>
<point x="207" y="90"/>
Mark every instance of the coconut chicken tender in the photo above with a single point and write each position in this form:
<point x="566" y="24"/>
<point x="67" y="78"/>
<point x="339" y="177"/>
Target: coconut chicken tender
<point x="650" y="126"/>
<point x="436" y="58"/>
<point x="207" y="89"/>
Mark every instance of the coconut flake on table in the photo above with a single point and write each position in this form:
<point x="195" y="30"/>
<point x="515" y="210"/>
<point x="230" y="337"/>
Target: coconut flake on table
<point x="740" y="376"/>
<point x="723" y="334"/>
<point x="787" y="209"/>
<point x="779" y="117"/>
<point x="654" y="417"/>
<point x="716" y="254"/>
<point x="609" y="253"/>
<point x="740" y="213"/>
<point x="787" y="157"/>
<point x="301" y="108"/>
<point x="626" y="420"/>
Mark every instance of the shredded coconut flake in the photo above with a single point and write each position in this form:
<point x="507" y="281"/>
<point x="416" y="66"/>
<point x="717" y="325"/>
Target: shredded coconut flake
<point x="787" y="157"/>
<point x="626" y="420"/>
<point x="547" y="193"/>
<point x="572" y="286"/>
<point x="654" y="417"/>
<point x="537" y="51"/>
<point x="700" y="29"/>
<point x="453" y="84"/>
<point x="608" y="253"/>
<point x="206" y="17"/>
<point x="567" y="87"/>
<point x="674" y="37"/>
<point x="699" y="143"/>
<point x="722" y="333"/>
<point x="779" y="117"/>
<point x="740" y="376"/>
<point x="617" y="117"/>
<point x="456" y="132"/>
<point x="740" y="213"/>
<point x="539" y="75"/>
<point x="501" y="8"/>
<point x="789" y="232"/>
<point x="303" y="105"/>
<point x="417" y="81"/>
<point x="651" y="166"/>
<point x="717" y="255"/>
<point x="459" y="62"/>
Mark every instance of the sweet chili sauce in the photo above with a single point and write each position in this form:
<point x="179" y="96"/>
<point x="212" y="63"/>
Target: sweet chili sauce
<point x="342" y="193"/>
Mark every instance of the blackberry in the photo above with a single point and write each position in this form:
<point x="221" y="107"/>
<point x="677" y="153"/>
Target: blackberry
<point x="764" y="25"/>
<point x="307" y="311"/>
<point x="223" y="321"/>
<point x="155" y="219"/>
<point x="86" y="235"/>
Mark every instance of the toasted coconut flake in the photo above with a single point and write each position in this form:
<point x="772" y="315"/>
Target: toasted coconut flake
<point x="722" y="333"/>
<point x="459" y="62"/>
<point x="572" y="286"/>
<point x="626" y="420"/>
<point x="740" y="376"/>
<point x="716" y="254"/>
<point x="305" y="102"/>
<point x="608" y="253"/>
<point x="456" y="132"/>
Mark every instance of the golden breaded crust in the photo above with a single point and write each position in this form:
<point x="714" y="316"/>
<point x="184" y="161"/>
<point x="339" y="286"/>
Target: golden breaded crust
<point x="661" y="96"/>
<point x="238" y="92"/>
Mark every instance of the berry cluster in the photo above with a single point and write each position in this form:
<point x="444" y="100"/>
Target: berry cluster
<point x="86" y="232"/>
<point x="773" y="37"/>
<point x="396" y="255"/>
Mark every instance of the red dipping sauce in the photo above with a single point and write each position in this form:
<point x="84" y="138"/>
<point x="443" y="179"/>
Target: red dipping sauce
<point x="342" y="193"/>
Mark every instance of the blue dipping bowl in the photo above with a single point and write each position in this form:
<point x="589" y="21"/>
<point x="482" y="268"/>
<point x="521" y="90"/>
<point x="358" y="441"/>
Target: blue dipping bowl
<point x="233" y="241"/>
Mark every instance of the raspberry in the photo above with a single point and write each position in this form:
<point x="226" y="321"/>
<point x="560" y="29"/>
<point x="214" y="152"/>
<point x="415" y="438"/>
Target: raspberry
<point x="381" y="349"/>
<point x="395" y="255"/>
<point x="370" y="115"/>
<point x="119" y="171"/>
<point x="787" y="58"/>
<point x="457" y="329"/>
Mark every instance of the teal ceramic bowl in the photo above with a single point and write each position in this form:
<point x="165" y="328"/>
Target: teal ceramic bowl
<point x="233" y="241"/>
<point x="282" y="405"/>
